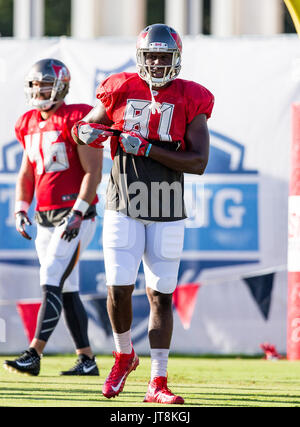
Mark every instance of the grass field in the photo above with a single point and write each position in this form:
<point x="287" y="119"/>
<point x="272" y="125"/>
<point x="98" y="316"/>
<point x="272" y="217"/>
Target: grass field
<point x="203" y="382"/>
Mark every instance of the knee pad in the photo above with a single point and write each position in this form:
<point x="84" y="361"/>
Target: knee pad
<point x="121" y="268"/>
<point x="161" y="279"/>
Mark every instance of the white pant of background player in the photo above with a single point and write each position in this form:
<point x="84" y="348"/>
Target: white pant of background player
<point x="58" y="257"/>
<point x="127" y="241"/>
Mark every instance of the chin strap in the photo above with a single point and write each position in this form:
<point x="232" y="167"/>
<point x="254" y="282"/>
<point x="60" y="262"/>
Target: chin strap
<point x="47" y="108"/>
<point x="44" y="106"/>
<point x="155" y="106"/>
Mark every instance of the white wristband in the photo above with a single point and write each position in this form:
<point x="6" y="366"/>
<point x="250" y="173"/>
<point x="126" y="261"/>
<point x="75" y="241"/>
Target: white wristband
<point x="81" y="206"/>
<point x="21" y="205"/>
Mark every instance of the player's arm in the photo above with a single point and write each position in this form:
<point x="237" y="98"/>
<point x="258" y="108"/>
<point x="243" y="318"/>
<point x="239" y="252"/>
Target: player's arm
<point x="91" y="160"/>
<point x="195" y="158"/>
<point x="24" y="195"/>
<point x="96" y="136"/>
<point x="98" y="115"/>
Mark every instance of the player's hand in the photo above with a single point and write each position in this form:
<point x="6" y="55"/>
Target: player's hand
<point x="92" y="134"/>
<point x="133" y="143"/>
<point x="21" y="221"/>
<point x="72" y="225"/>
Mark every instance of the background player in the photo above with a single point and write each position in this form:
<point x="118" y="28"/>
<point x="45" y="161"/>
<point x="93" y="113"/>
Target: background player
<point x="64" y="178"/>
<point x="164" y="134"/>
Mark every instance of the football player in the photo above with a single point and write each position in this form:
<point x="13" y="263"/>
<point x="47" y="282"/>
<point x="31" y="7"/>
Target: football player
<point x="64" y="178"/>
<point x="163" y="133"/>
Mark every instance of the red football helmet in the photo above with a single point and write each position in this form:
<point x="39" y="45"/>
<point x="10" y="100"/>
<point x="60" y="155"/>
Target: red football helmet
<point x="53" y="72"/>
<point x="159" y="38"/>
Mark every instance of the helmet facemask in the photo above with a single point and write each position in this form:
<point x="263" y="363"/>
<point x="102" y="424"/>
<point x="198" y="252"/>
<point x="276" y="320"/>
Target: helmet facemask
<point x="171" y="70"/>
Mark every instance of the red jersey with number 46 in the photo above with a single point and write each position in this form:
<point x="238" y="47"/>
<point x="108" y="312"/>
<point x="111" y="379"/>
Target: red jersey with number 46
<point x="53" y="154"/>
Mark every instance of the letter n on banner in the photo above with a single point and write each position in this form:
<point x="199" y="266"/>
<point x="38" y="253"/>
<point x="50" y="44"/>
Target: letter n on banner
<point x="293" y="309"/>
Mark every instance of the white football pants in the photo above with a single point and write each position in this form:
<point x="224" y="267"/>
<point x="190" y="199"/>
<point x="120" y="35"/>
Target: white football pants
<point x="58" y="257"/>
<point x="127" y="241"/>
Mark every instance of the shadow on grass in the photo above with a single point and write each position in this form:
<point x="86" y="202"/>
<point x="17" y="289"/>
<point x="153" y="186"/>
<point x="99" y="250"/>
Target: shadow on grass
<point x="192" y="399"/>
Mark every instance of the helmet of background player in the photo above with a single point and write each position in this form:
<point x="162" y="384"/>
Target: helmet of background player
<point x="56" y="78"/>
<point x="159" y="38"/>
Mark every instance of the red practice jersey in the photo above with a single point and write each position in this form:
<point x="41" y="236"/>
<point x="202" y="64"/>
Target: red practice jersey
<point x="126" y="98"/>
<point x="53" y="154"/>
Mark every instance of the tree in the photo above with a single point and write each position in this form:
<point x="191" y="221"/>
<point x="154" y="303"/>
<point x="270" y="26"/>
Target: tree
<point x="6" y="18"/>
<point x="155" y="12"/>
<point x="57" y="18"/>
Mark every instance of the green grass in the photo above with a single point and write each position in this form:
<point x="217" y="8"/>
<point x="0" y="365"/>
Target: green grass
<point x="202" y="381"/>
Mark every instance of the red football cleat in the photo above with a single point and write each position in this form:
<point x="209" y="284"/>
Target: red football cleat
<point x="158" y="392"/>
<point x="124" y="364"/>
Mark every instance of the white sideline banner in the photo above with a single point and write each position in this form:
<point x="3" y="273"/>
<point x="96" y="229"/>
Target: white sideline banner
<point x="238" y="211"/>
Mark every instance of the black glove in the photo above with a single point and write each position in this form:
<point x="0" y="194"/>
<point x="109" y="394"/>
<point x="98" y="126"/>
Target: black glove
<point x="22" y="220"/>
<point x="72" y="225"/>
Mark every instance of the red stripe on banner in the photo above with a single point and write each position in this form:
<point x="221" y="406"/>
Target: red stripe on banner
<point x="293" y="304"/>
<point x="295" y="152"/>
<point x="293" y="317"/>
<point x="184" y="300"/>
<point x="28" y="313"/>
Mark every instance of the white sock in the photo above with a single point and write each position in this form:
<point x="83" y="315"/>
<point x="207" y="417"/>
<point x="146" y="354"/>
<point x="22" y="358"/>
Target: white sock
<point x="123" y="342"/>
<point x="159" y="362"/>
